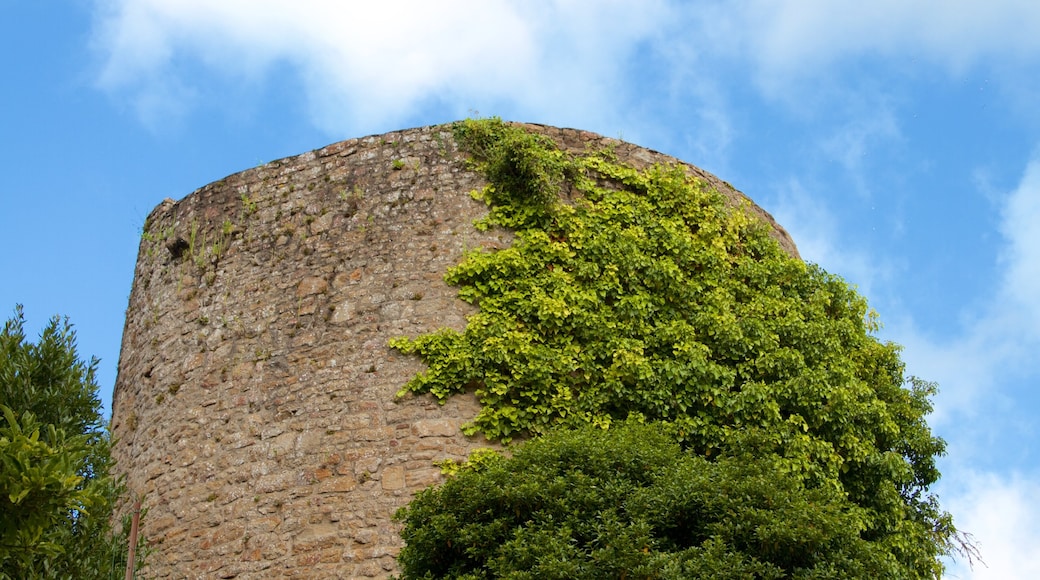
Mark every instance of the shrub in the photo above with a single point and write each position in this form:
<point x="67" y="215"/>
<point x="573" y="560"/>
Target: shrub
<point x="628" y="502"/>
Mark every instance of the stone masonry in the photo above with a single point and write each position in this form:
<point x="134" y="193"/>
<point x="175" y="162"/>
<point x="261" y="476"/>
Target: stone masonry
<point x="255" y="409"/>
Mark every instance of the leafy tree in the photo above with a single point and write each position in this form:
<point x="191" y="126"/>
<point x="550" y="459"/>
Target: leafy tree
<point x="628" y="502"/>
<point x="649" y="295"/>
<point x="56" y="493"/>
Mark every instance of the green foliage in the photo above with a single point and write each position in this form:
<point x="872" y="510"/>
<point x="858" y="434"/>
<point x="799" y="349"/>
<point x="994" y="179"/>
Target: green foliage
<point x="248" y="205"/>
<point x="40" y="483"/>
<point x="526" y="170"/>
<point x="476" y="458"/>
<point x="652" y="297"/>
<point x="56" y="495"/>
<point x="630" y="503"/>
<point x="49" y="379"/>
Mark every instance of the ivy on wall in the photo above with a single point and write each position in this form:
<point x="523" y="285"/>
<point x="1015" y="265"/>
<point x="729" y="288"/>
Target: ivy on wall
<point x="646" y="295"/>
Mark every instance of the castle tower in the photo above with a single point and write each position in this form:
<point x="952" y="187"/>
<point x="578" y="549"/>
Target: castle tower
<point x="255" y="409"/>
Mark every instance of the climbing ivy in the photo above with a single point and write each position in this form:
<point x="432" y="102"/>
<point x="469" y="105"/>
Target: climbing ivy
<point x="647" y="295"/>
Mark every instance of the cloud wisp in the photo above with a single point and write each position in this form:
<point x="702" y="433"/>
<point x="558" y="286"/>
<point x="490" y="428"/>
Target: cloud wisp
<point x="794" y="40"/>
<point x="1000" y="339"/>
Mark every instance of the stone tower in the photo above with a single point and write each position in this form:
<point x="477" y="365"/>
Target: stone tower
<point x="254" y="410"/>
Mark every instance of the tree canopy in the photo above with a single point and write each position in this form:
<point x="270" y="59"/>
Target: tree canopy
<point x="628" y="502"/>
<point x="646" y="295"/>
<point x="56" y="493"/>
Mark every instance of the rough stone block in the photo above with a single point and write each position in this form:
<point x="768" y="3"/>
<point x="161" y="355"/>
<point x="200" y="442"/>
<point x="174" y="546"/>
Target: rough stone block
<point x="393" y="477"/>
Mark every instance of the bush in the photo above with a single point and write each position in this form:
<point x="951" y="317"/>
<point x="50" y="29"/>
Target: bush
<point x="628" y="502"/>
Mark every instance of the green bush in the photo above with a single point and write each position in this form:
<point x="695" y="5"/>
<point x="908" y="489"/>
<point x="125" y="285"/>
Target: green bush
<point x="628" y="502"/>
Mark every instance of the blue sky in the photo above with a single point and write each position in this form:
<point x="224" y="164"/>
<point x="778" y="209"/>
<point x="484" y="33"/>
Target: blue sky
<point x="898" y="142"/>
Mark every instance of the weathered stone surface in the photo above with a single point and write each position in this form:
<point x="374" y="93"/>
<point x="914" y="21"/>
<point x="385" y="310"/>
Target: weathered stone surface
<point x="255" y="406"/>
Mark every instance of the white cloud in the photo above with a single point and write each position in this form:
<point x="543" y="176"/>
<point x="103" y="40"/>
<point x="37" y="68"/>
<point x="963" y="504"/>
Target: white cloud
<point x="1004" y="518"/>
<point x="369" y="64"/>
<point x="365" y="65"/>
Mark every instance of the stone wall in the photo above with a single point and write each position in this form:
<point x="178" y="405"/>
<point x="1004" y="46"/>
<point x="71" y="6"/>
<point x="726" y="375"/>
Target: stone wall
<point x="255" y="408"/>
